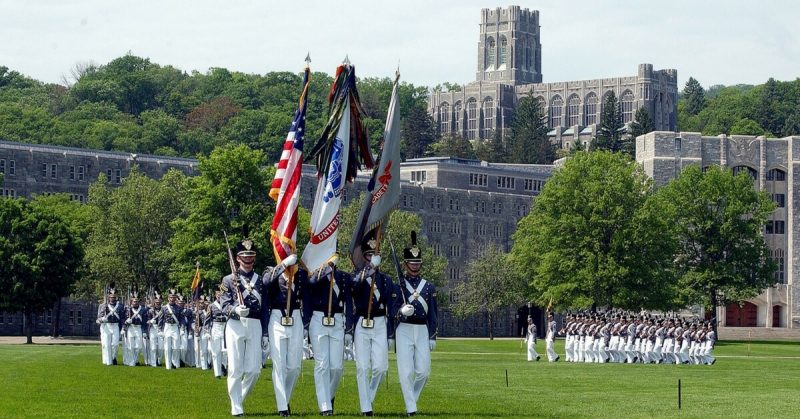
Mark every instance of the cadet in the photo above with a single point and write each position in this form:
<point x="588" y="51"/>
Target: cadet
<point x="245" y="331"/>
<point x="328" y="305"/>
<point x="218" y="320"/>
<point x="170" y="321"/>
<point x="417" y="328"/>
<point x="136" y="320"/>
<point x="373" y="293"/>
<point x="530" y="339"/>
<point x="202" y="334"/>
<point x="552" y="356"/>
<point x="155" y="331"/>
<point x="285" y="329"/>
<point x="110" y="316"/>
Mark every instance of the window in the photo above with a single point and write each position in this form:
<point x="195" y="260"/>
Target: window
<point x="444" y="118"/>
<point x="533" y="185"/>
<point x="776" y="227"/>
<point x="556" y="106"/>
<point x="498" y="231"/>
<point x="522" y="210"/>
<point x="455" y="227"/>
<point x="478" y="179"/>
<point x="80" y="317"/>
<point x="501" y="59"/>
<point x="490" y="52"/>
<point x="497" y="207"/>
<point x="453" y="273"/>
<point x="480" y="207"/>
<point x="419" y="176"/>
<point x="49" y="314"/>
<point x="749" y="170"/>
<point x="437" y="249"/>
<point x="677" y="145"/>
<point x="72" y="173"/>
<point x="117" y="176"/>
<point x="12" y="167"/>
<point x="44" y="169"/>
<point x="109" y="174"/>
<point x="472" y="119"/>
<point x="457" y="117"/>
<point x="480" y="229"/>
<point x="408" y="201"/>
<point x="780" y="199"/>
<point x="488" y="118"/>
<point x="505" y="182"/>
<point x="9" y="193"/>
<point x="776" y="175"/>
<point x="3" y="166"/>
<point x="436" y="226"/>
<point x="437" y="202"/>
<point x="53" y="171"/>
<point x="454" y="206"/>
<point x="71" y="317"/>
<point x="81" y="173"/>
<point x="455" y="250"/>
<point x="590" y="109"/>
<point x="627" y="106"/>
<point x="573" y="110"/>
<point x="77" y="197"/>
<point x="780" y="273"/>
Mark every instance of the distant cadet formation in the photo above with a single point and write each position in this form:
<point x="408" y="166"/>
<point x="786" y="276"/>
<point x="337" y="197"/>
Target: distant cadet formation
<point x="269" y="316"/>
<point x="624" y="338"/>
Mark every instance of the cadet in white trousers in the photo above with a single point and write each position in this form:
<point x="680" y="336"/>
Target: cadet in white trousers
<point x="156" y="335"/>
<point x="245" y="332"/>
<point x="417" y="328"/>
<point x="530" y="340"/>
<point x="171" y="319"/>
<point x="552" y="356"/>
<point x="110" y="316"/>
<point x="218" y="320"/>
<point x="285" y="329"/>
<point x="133" y="330"/>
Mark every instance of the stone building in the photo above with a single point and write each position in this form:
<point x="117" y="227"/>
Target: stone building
<point x="774" y="164"/>
<point x="509" y="68"/>
<point x="465" y="205"/>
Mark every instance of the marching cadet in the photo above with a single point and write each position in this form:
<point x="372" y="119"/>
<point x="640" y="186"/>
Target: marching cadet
<point x="417" y="328"/>
<point x="373" y="292"/>
<point x="669" y="342"/>
<point x="241" y="301"/>
<point x="110" y="317"/>
<point x="552" y="356"/>
<point x="170" y="320"/>
<point x="707" y="354"/>
<point x="530" y="340"/>
<point x="187" y="336"/>
<point x="630" y="353"/>
<point x="203" y="333"/>
<point x="218" y="320"/>
<point x="136" y="320"/>
<point x="328" y="305"/>
<point x="285" y="331"/>
<point x="155" y="332"/>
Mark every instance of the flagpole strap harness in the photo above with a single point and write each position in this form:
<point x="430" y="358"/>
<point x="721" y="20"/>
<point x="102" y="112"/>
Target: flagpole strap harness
<point x="287" y="320"/>
<point x="249" y="287"/>
<point x="416" y="294"/>
<point x="171" y="313"/>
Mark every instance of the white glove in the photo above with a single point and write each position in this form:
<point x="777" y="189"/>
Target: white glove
<point x="407" y="310"/>
<point x="391" y="345"/>
<point x="376" y="261"/>
<point x="265" y="343"/>
<point x="128" y="321"/>
<point x="432" y="344"/>
<point x="305" y="334"/>
<point x="289" y="260"/>
<point x="98" y="321"/>
<point x="348" y="339"/>
<point x="241" y="311"/>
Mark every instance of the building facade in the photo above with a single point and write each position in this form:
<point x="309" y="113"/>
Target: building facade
<point x="774" y="164"/>
<point x="509" y="68"/>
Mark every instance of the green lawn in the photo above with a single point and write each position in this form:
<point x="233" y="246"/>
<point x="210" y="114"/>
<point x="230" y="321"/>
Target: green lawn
<point x="760" y="379"/>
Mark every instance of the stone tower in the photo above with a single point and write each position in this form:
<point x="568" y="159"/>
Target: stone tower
<point x="509" y="46"/>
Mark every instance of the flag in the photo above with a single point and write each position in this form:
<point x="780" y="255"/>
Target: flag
<point x="285" y="188"/>
<point x="383" y="190"/>
<point x="338" y="153"/>
<point x="197" y="287"/>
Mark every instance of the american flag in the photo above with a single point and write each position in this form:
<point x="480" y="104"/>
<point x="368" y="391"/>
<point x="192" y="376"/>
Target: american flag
<point x="286" y="185"/>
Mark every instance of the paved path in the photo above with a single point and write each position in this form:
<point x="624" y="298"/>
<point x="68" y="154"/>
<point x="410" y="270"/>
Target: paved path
<point x="46" y="340"/>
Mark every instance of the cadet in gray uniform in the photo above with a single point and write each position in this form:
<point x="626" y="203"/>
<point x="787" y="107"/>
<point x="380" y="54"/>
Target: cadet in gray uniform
<point x="218" y="320"/>
<point x="110" y="317"/>
<point x="530" y="340"/>
<point x="549" y="339"/>
<point x="170" y="321"/>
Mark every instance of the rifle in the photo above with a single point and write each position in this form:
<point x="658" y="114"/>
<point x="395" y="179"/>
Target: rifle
<point x="233" y="269"/>
<point x="396" y="266"/>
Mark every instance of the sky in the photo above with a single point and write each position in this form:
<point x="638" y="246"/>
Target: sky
<point x="715" y="41"/>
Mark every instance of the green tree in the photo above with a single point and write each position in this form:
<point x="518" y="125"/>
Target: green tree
<point x="417" y="132"/>
<point x="642" y="124"/>
<point x="695" y="96"/>
<point x="585" y="242"/>
<point x="40" y="257"/>
<point x="747" y="126"/>
<point x="717" y="223"/>
<point x="491" y="286"/>
<point x="609" y="134"/>
<point x="528" y="142"/>
<point x="453" y="146"/>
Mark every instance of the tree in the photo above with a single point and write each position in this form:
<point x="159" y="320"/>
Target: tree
<point x="130" y="242"/>
<point x="492" y="285"/>
<point x="747" y="126"/>
<point x="452" y="146"/>
<point x="528" y="142"/>
<point x="609" y="134"/>
<point x="717" y="222"/>
<point x="695" y="96"/>
<point x="586" y="243"/>
<point x="641" y="125"/>
<point x="417" y="132"/>
<point x="40" y="258"/>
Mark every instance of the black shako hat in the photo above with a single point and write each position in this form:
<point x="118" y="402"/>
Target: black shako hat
<point x="245" y="247"/>
<point x="413" y="253"/>
<point x="369" y="243"/>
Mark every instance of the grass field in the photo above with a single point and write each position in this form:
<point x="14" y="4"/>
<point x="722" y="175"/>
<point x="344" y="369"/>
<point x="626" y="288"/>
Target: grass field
<point x="759" y="380"/>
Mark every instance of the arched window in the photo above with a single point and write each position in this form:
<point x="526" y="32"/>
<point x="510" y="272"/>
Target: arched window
<point x="490" y="52"/>
<point x="503" y="49"/>
<point x="556" y="104"/>
<point x="458" y="118"/>
<point x="777" y="175"/>
<point x="472" y="119"/>
<point x="444" y="118"/>
<point x="574" y="110"/>
<point x="590" y="109"/>
<point x="488" y="117"/>
<point x="780" y="273"/>
<point x="749" y="170"/>
<point x="627" y="106"/>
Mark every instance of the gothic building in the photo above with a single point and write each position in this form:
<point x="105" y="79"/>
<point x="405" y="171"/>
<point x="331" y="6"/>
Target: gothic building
<point x="510" y="68"/>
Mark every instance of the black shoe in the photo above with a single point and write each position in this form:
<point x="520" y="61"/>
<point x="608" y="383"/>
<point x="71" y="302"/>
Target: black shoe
<point x="115" y="361"/>
<point x="537" y="357"/>
<point x="284" y="414"/>
<point x="333" y="403"/>
<point x="327" y="413"/>
<point x="239" y="415"/>
<point x="366" y="413"/>
<point x="411" y="414"/>
<point x="713" y="361"/>
<point x="557" y="358"/>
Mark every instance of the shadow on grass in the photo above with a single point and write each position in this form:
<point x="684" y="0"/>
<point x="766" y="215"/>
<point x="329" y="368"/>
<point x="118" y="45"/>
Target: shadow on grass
<point x="766" y="342"/>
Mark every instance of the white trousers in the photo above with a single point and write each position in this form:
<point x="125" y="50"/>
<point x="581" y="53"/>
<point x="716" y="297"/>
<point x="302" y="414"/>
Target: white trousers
<point x="243" y="338"/>
<point x="286" y="351"/>
<point x="217" y="342"/>
<point x="135" y="344"/>
<point x="551" y="352"/>
<point x="413" y="362"/>
<point x="328" y="345"/>
<point x="156" y="346"/>
<point x="109" y="340"/>
<point x="371" y="350"/>
<point x="172" y="346"/>
<point x="532" y="354"/>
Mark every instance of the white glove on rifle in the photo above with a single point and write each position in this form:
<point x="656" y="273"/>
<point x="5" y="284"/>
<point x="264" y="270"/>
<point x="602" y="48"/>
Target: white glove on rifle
<point x="376" y="261"/>
<point x="348" y="339"/>
<point x="265" y="343"/>
<point x="432" y="344"/>
<point x="391" y="345"/>
<point x="407" y="310"/>
<point x="128" y="321"/>
<point x="241" y="311"/>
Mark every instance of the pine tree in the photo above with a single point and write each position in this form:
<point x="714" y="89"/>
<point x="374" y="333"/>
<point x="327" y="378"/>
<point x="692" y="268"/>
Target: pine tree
<point x="609" y="135"/>
<point x="695" y="96"/>
<point x="642" y="124"/>
<point x="528" y="142"/>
